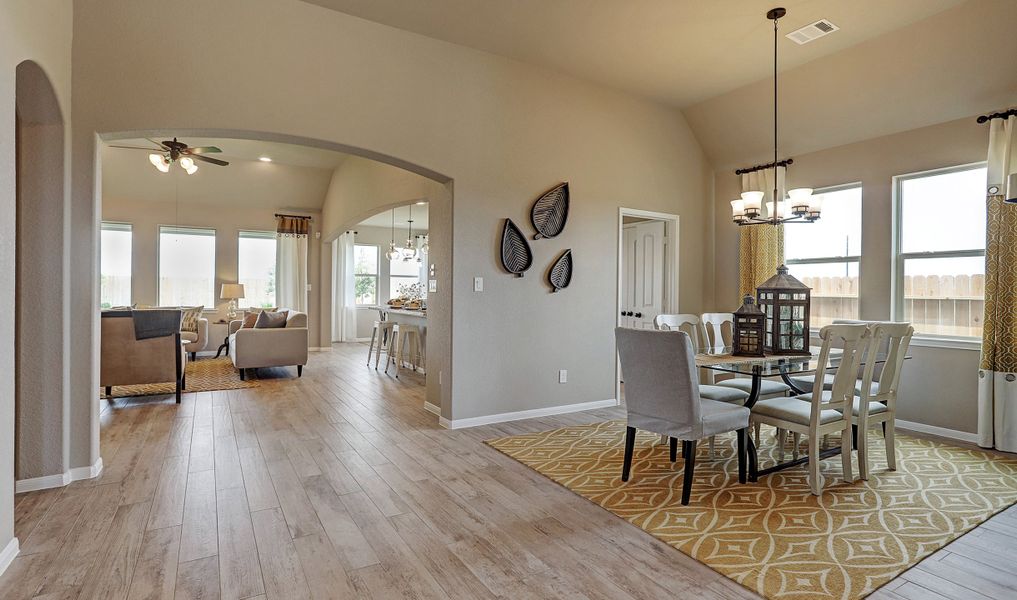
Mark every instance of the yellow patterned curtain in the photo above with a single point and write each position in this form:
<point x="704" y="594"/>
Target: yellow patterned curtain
<point x="760" y="247"/>
<point x="997" y="374"/>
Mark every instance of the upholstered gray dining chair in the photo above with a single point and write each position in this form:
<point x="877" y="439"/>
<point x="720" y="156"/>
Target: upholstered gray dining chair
<point x="662" y="396"/>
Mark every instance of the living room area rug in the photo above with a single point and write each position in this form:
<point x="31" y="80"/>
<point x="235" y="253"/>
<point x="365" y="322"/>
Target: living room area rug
<point x="203" y="375"/>
<point x="774" y="537"/>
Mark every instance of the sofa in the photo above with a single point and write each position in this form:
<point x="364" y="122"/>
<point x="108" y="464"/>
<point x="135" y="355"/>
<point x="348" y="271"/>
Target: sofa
<point x="126" y="360"/>
<point x="254" y="348"/>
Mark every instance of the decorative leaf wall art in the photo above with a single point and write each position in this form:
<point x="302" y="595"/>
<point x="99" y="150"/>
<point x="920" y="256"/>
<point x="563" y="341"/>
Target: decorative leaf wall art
<point x="560" y="275"/>
<point x="516" y="256"/>
<point x="551" y="211"/>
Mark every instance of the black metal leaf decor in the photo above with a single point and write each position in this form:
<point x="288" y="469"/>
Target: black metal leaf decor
<point x="516" y="256"/>
<point x="560" y="275"/>
<point x="550" y="212"/>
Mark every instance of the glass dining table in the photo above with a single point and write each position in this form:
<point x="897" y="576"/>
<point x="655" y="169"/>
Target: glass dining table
<point x="722" y="360"/>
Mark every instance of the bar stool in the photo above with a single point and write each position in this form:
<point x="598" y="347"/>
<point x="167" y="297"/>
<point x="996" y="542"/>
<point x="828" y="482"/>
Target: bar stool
<point x="403" y="334"/>
<point x="382" y="331"/>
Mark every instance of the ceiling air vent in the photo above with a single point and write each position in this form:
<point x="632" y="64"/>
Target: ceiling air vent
<point x="813" y="31"/>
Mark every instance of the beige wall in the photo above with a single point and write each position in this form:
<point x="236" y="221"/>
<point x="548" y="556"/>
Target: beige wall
<point x="502" y="131"/>
<point x="939" y="386"/>
<point x="41" y="32"/>
<point x="146" y="217"/>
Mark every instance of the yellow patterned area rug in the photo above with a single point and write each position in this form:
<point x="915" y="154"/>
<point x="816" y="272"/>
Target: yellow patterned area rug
<point x="774" y="536"/>
<point x="203" y="375"/>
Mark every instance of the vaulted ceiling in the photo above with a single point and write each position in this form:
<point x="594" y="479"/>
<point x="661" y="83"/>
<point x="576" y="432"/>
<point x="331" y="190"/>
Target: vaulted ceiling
<point x="891" y="67"/>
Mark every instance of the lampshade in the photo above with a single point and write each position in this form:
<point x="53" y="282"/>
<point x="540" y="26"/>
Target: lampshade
<point x="231" y="291"/>
<point x="752" y="200"/>
<point x="159" y="162"/>
<point x="781" y="209"/>
<point x="800" y="199"/>
<point x="737" y="208"/>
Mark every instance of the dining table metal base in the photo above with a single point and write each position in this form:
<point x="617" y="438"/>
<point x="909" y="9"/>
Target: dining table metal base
<point x="823" y="454"/>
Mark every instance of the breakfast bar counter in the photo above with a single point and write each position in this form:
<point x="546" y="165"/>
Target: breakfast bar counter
<point x="409" y="317"/>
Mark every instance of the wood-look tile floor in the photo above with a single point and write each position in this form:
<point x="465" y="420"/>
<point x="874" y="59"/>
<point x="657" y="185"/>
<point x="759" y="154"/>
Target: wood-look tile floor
<point x="340" y="485"/>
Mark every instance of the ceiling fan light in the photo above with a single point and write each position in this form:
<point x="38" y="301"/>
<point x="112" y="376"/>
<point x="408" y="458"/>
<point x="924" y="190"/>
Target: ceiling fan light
<point x="186" y="162"/>
<point x="159" y="161"/>
<point x="191" y="170"/>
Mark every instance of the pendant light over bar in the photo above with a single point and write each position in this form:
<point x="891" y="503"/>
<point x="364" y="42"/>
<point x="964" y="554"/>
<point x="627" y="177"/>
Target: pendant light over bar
<point x="800" y="206"/>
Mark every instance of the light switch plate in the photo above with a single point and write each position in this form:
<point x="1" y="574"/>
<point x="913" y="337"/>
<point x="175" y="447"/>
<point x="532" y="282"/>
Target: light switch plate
<point x="563" y="376"/>
<point x="478" y="284"/>
<point x="432" y="285"/>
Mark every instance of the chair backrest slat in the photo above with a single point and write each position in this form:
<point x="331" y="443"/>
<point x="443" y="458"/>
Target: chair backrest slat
<point x="893" y="339"/>
<point x="718" y="329"/>
<point x="852" y="339"/>
<point x="688" y="323"/>
<point x="660" y="376"/>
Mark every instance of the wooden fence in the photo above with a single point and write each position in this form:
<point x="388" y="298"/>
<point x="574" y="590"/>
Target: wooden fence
<point x="937" y="304"/>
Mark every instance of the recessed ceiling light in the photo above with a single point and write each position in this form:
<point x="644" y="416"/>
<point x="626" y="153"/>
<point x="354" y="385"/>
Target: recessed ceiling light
<point x="265" y="159"/>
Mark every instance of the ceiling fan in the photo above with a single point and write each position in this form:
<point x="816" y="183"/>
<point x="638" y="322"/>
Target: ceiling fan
<point x="170" y="151"/>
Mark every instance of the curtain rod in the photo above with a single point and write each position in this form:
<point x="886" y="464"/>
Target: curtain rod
<point x="999" y="115"/>
<point x="294" y="216"/>
<point x="780" y="163"/>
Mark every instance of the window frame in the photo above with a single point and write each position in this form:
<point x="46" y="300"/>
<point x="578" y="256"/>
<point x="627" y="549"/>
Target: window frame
<point x="158" y="262"/>
<point x="257" y="234"/>
<point x="824" y="260"/>
<point x="376" y="275"/>
<point x="121" y="226"/>
<point x="899" y="258"/>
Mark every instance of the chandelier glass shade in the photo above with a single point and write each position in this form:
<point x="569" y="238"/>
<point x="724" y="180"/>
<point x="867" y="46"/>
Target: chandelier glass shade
<point x="162" y="162"/>
<point x="800" y="205"/>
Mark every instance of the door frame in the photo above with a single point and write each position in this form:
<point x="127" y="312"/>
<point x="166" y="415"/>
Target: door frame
<point x="671" y="235"/>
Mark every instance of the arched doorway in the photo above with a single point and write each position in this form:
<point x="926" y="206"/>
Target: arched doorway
<point x="40" y="366"/>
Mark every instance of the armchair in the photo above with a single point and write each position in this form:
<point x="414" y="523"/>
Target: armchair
<point x="126" y="360"/>
<point x="195" y="342"/>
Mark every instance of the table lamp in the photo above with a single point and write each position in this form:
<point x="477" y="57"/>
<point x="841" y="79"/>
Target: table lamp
<point x="231" y="292"/>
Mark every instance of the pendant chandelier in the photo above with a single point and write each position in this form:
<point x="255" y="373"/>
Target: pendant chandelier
<point x="393" y="252"/>
<point x="409" y="252"/>
<point x="800" y="206"/>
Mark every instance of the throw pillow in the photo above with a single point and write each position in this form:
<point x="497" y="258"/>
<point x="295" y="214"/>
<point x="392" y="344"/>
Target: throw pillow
<point x="271" y="320"/>
<point x="189" y="322"/>
<point x="251" y="316"/>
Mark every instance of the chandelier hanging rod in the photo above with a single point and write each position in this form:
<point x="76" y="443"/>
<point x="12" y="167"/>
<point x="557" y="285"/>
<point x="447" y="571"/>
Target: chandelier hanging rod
<point x="769" y="165"/>
<point x="1006" y="114"/>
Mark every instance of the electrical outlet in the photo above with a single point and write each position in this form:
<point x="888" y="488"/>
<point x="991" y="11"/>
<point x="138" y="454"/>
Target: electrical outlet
<point x="478" y="284"/>
<point x="563" y="376"/>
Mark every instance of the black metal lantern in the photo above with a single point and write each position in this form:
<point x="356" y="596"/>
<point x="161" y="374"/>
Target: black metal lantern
<point x="748" y="329"/>
<point x="785" y="303"/>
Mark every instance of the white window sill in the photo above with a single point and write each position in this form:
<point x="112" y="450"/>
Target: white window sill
<point x="931" y="341"/>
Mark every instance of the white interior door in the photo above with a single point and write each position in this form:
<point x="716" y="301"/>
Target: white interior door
<point x="643" y="272"/>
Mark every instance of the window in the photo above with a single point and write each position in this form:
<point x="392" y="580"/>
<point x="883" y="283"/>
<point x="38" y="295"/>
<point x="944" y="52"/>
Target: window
<point x="824" y="255"/>
<point x="402" y="273"/>
<point x="365" y="274"/>
<point x="186" y="267"/>
<point x="256" y="268"/>
<point x="939" y="243"/>
<point x="115" y="265"/>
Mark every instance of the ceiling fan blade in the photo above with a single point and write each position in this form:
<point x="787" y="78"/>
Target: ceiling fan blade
<point x="203" y="150"/>
<point x="208" y="159"/>
<point x="164" y="147"/>
<point x="137" y="148"/>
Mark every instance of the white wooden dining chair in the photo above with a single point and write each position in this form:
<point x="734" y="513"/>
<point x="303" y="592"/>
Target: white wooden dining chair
<point x="823" y="412"/>
<point x="878" y="399"/>
<point x="693" y="327"/>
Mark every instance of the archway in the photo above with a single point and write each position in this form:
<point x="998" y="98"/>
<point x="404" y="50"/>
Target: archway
<point x="439" y="376"/>
<point x="40" y="367"/>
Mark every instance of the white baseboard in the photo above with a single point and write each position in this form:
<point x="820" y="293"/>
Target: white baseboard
<point x="59" y="480"/>
<point x="431" y="408"/>
<point x="953" y="434"/>
<point x="525" y="414"/>
<point x="8" y="554"/>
